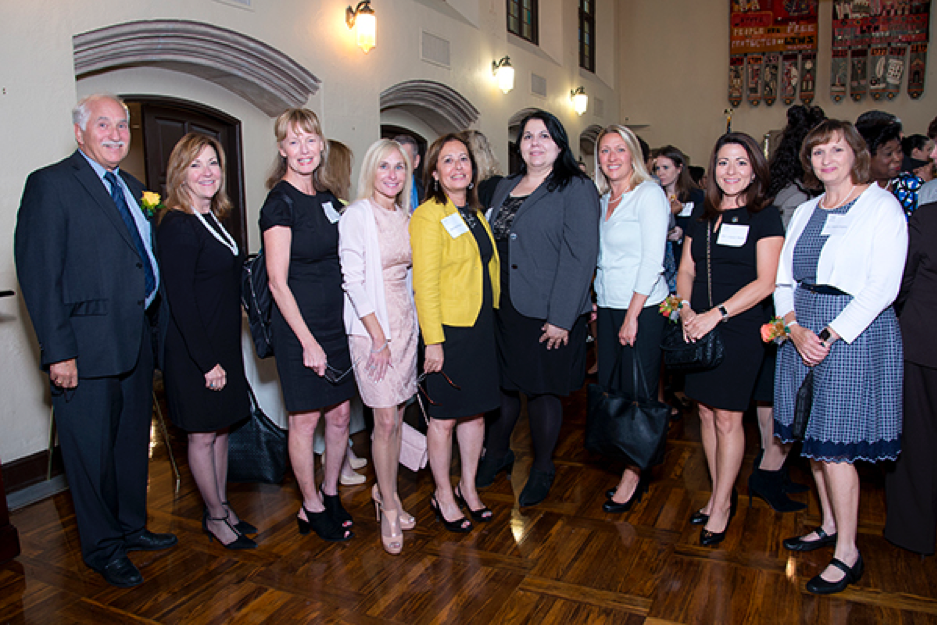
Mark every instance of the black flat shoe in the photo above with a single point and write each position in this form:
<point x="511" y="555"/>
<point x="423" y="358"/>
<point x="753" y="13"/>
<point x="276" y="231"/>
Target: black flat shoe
<point x="151" y="541"/>
<point x="489" y="468"/>
<point x="323" y="525"/>
<point x="459" y="526"/>
<point x="820" y="586"/>
<point x="242" y="526"/>
<point x="537" y="487"/>
<point x="121" y="572"/>
<point x="482" y="515"/>
<point x="613" y="507"/>
<point x="333" y="505"/>
<point x="797" y="543"/>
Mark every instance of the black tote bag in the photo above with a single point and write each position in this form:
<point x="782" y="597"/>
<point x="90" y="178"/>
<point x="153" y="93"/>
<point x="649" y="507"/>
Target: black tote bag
<point x="257" y="449"/>
<point x="626" y="426"/>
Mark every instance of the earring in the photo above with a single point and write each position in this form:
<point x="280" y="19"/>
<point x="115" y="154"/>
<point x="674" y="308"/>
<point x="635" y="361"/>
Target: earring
<point x="435" y="185"/>
<point x="471" y="185"/>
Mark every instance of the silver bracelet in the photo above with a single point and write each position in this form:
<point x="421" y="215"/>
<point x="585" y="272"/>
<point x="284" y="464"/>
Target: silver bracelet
<point x="382" y="348"/>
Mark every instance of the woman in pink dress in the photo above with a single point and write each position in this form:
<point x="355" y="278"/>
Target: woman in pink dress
<point x="380" y="316"/>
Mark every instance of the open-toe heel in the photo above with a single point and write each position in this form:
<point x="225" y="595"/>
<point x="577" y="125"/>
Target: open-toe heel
<point x="482" y="515"/>
<point x="407" y="521"/>
<point x="333" y="505"/>
<point x="392" y="541"/>
<point x="459" y="526"/>
<point x="323" y="525"/>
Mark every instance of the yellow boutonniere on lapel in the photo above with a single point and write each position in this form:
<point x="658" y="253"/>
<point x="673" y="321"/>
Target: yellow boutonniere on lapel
<point x="150" y="203"/>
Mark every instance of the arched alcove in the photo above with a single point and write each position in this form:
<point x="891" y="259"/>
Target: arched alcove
<point x="259" y="73"/>
<point x="439" y="106"/>
<point x="587" y="139"/>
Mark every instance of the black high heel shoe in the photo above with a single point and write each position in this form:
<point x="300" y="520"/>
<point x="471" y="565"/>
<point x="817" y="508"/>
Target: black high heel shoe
<point x="241" y="526"/>
<point x="489" y="468"/>
<point x="820" y="586"/>
<point x="323" y="525"/>
<point x="241" y="542"/>
<point x="707" y="537"/>
<point x="701" y="518"/>
<point x="333" y="505"/>
<point x="459" y="526"/>
<point x="613" y="507"/>
<point x="482" y="515"/>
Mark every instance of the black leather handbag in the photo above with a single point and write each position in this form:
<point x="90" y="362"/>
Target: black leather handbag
<point x="257" y="449"/>
<point x="626" y="426"/>
<point x="708" y="351"/>
<point x="802" y="405"/>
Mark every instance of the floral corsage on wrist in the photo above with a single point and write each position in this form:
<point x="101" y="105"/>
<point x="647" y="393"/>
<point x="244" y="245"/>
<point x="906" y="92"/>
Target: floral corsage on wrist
<point x="670" y="308"/>
<point x="775" y="330"/>
<point x="150" y="203"/>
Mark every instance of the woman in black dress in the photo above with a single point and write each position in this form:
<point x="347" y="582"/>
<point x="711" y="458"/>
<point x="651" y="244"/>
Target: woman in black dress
<point x="203" y="372"/>
<point x="545" y="222"/>
<point x="299" y="221"/>
<point x="454" y="269"/>
<point x="730" y="259"/>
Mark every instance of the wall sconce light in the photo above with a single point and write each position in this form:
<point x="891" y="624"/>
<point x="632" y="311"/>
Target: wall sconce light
<point x="504" y="73"/>
<point x="580" y="100"/>
<point x="363" y="15"/>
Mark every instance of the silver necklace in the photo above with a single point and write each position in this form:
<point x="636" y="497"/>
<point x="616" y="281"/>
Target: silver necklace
<point x="222" y="237"/>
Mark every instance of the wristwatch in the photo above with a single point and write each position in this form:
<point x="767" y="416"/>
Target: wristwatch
<point x="725" y="313"/>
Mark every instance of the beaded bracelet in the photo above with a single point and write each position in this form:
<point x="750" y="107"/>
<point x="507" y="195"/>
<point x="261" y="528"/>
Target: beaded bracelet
<point x="382" y="348"/>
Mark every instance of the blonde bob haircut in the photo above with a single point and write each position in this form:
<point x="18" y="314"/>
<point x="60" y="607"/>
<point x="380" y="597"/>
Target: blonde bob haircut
<point x="378" y="152"/>
<point x="478" y="145"/>
<point x="304" y="120"/>
<point x="638" y="169"/>
<point x="828" y="131"/>
<point x="184" y="154"/>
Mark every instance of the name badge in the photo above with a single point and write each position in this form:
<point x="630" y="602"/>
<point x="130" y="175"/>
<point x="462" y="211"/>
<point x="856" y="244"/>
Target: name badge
<point x="835" y="224"/>
<point x="687" y="209"/>
<point x="454" y="225"/>
<point x="330" y="212"/>
<point x="732" y="235"/>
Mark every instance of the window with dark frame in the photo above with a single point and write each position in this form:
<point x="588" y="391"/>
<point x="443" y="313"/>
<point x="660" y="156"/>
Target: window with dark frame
<point x="523" y="18"/>
<point x="587" y="34"/>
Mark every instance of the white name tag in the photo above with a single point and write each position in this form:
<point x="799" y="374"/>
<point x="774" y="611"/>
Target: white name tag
<point x="330" y="212"/>
<point x="835" y="224"/>
<point x="732" y="235"/>
<point x="454" y="225"/>
<point x="687" y="209"/>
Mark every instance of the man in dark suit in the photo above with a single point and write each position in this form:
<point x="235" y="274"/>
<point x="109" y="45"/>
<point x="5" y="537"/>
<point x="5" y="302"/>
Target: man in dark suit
<point x="85" y="263"/>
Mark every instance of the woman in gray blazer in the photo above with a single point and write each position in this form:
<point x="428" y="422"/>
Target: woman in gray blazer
<point x="545" y="222"/>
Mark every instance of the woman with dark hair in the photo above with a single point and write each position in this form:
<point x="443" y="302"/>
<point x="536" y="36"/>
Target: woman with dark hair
<point x="300" y="233"/>
<point x="919" y="148"/>
<point x="203" y="370"/>
<point x="787" y="174"/>
<point x="729" y="262"/>
<point x="839" y="273"/>
<point x="673" y="171"/>
<point x="883" y="141"/>
<point x="546" y="226"/>
<point x="455" y="285"/>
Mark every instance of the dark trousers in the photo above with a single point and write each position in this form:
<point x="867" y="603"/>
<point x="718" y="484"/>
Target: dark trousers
<point x="104" y="431"/>
<point x="911" y="487"/>
<point x="646" y="349"/>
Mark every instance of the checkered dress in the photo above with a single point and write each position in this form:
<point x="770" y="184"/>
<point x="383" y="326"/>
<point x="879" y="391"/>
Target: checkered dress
<point x="856" y="412"/>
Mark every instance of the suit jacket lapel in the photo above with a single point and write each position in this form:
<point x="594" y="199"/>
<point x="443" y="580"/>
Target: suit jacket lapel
<point x="90" y="181"/>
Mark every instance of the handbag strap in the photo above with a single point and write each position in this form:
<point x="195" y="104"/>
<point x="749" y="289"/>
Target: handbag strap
<point x="637" y="371"/>
<point x="709" y="262"/>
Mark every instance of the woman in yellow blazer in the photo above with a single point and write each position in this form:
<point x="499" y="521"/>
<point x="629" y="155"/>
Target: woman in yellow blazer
<point x="455" y="282"/>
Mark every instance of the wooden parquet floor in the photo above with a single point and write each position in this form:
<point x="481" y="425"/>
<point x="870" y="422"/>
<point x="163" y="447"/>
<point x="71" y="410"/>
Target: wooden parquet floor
<point x="564" y="561"/>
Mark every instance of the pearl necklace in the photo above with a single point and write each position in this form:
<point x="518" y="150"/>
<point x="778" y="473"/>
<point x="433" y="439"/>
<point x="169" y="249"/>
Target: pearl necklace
<point x="223" y="237"/>
<point x="848" y="195"/>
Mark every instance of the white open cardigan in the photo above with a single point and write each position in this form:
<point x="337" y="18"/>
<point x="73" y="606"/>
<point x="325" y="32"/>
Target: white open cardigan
<point x="865" y="260"/>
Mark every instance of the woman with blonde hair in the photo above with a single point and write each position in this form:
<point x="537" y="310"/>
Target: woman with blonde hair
<point x="629" y="281"/>
<point x="203" y="370"/>
<point x="380" y="316"/>
<point x="456" y="278"/>
<point x="299" y="224"/>
<point x="489" y="169"/>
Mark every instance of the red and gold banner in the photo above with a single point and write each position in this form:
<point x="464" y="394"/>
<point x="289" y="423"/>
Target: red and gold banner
<point x="759" y="27"/>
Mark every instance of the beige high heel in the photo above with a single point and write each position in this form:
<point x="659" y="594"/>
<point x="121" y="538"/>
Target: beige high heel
<point x="393" y="542"/>
<point x="407" y="520"/>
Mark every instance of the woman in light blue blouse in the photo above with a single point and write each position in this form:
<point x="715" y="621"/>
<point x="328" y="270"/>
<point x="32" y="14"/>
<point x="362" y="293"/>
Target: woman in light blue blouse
<point x="629" y="283"/>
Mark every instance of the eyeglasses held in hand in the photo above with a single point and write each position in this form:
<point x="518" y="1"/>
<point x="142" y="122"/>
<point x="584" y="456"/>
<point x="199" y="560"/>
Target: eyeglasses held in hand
<point x="422" y="389"/>
<point x="335" y="376"/>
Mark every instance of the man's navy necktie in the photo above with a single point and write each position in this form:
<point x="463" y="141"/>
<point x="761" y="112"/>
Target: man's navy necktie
<point x="117" y="194"/>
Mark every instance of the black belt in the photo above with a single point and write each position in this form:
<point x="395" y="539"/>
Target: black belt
<point x="823" y="289"/>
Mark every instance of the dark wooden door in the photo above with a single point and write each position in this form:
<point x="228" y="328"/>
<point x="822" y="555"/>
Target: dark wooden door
<point x="167" y="120"/>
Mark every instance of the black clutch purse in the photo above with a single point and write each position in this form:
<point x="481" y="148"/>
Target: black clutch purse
<point x="802" y="405"/>
<point x="257" y="448"/>
<point x="626" y="426"/>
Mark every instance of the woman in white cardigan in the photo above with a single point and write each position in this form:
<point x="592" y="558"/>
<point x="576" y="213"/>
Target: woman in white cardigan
<point x="629" y="282"/>
<point x="840" y="271"/>
<point x="380" y="316"/>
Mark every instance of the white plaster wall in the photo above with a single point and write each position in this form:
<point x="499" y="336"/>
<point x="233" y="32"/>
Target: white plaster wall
<point x="38" y="89"/>
<point x="674" y="78"/>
